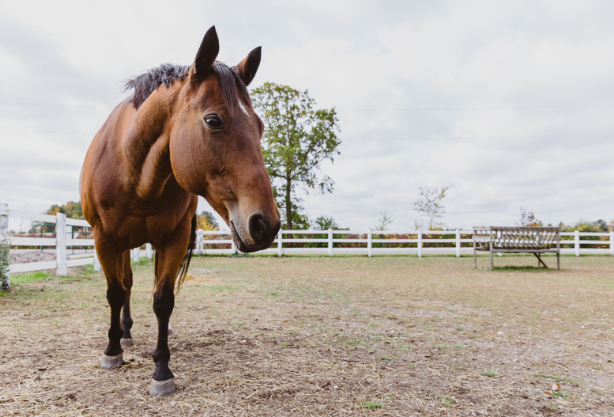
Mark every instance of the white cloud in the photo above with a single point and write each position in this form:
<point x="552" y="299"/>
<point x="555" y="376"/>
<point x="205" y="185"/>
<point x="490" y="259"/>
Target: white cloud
<point x="508" y="102"/>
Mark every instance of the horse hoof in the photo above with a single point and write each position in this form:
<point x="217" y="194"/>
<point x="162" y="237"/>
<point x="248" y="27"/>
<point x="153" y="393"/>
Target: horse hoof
<point x="110" y="362"/>
<point x="126" y="342"/>
<point x="162" y="388"/>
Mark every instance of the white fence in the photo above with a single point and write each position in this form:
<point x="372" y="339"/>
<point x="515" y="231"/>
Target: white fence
<point x="345" y="242"/>
<point x="60" y="243"/>
<point x="325" y="242"/>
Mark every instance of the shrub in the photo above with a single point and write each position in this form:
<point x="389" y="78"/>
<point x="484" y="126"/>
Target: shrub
<point x="4" y="264"/>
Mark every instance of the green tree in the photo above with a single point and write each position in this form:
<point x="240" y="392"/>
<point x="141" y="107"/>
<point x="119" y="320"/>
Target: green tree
<point x="297" y="139"/>
<point x="599" y="226"/>
<point x="327" y="222"/>
<point x="71" y="209"/>
<point x="206" y="221"/>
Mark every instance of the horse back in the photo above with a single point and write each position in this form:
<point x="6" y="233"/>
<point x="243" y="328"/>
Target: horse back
<point x="109" y="188"/>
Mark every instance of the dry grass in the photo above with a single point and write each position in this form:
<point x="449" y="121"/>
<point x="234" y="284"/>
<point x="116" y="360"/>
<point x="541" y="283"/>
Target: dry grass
<point x="318" y="336"/>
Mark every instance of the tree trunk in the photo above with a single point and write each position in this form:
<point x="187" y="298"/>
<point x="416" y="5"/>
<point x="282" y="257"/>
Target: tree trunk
<point x="289" y="204"/>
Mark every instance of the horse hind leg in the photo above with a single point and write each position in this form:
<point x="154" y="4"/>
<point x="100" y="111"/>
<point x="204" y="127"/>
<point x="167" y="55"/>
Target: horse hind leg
<point x="126" y="340"/>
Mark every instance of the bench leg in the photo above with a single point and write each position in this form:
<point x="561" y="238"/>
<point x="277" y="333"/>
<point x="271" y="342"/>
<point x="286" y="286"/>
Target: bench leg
<point x="492" y="266"/>
<point x="539" y="258"/>
<point x="475" y="259"/>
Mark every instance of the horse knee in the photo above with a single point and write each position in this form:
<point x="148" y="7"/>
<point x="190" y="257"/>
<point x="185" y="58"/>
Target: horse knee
<point x="116" y="296"/>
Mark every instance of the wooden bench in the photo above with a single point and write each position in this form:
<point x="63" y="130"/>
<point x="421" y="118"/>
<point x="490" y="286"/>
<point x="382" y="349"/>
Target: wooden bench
<point x="535" y="240"/>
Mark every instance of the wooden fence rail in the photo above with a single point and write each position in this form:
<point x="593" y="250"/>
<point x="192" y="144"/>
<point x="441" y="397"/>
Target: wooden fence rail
<point x="322" y="242"/>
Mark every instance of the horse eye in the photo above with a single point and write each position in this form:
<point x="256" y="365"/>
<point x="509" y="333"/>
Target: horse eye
<point x="214" y="122"/>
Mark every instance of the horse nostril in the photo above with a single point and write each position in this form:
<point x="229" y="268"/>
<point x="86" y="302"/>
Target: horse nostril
<point x="257" y="227"/>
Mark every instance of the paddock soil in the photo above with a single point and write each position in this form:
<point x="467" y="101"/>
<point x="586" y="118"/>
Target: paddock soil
<point x="264" y="336"/>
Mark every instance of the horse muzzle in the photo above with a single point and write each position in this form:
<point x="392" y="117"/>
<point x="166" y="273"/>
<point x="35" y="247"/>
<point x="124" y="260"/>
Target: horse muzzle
<point x="258" y="235"/>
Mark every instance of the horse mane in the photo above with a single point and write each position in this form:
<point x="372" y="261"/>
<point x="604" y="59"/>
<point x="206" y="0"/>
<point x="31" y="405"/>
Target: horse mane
<point x="230" y="83"/>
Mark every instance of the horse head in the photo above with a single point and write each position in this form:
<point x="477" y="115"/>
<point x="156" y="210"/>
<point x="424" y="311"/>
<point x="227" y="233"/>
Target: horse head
<point x="215" y="146"/>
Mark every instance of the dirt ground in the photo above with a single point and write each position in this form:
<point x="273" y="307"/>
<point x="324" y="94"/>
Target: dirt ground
<point x="302" y="336"/>
<point x="31" y="256"/>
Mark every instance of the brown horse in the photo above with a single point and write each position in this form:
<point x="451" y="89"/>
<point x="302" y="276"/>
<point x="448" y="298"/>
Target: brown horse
<point x="186" y="131"/>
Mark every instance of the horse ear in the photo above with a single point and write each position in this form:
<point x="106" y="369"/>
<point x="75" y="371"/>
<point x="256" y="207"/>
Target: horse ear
<point x="205" y="57"/>
<point x="248" y="67"/>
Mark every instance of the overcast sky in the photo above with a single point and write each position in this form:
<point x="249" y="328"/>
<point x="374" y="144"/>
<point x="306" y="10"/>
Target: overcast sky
<point x="508" y="102"/>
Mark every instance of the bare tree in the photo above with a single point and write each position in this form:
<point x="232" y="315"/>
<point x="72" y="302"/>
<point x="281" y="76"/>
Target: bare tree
<point x="384" y="221"/>
<point x="527" y="218"/>
<point x="430" y="206"/>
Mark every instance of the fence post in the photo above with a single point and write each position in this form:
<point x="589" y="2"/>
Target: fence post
<point x="5" y="281"/>
<point x="458" y="243"/>
<point x="200" y="242"/>
<point x="97" y="266"/>
<point x="577" y="242"/>
<point x="233" y="247"/>
<point x="280" y="250"/>
<point x="369" y="243"/>
<point x="137" y="254"/>
<point x="419" y="243"/>
<point x="330" y="242"/>
<point x="60" y="243"/>
<point x="612" y="243"/>
<point x="148" y="250"/>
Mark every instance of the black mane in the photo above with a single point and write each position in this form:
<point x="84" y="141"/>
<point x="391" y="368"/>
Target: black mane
<point x="148" y="82"/>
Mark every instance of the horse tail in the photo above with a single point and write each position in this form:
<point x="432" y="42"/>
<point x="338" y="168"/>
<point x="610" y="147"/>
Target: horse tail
<point x="155" y="270"/>
<point x="185" y="264"/>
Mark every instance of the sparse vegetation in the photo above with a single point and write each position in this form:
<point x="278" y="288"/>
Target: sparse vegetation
<point x="269" y="335"/>
<point x="558" y="378"/>
<point x="447" y="402"/>
<point x="371" y="405"/>
<point x="560" y="394"/>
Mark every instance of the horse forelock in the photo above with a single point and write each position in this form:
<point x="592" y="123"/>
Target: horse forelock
<point x="232" y="87"/>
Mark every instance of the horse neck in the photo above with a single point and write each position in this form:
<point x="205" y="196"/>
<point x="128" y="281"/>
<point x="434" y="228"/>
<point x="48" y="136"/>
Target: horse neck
<point x="146" y="146"/>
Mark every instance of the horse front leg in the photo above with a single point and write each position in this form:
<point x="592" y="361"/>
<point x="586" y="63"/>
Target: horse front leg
<point x="168" y="262"/>
<point x="163" y="382"/>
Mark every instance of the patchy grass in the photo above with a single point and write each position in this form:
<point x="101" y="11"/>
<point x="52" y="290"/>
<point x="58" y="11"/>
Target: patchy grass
<point x="446" y="401"/>
<point x="372" y="405"/>
<point x="558" y="378"/>
<point x="318" y="336"/>
<point x="560" y="394"/>
<point x="18" y="279"/>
